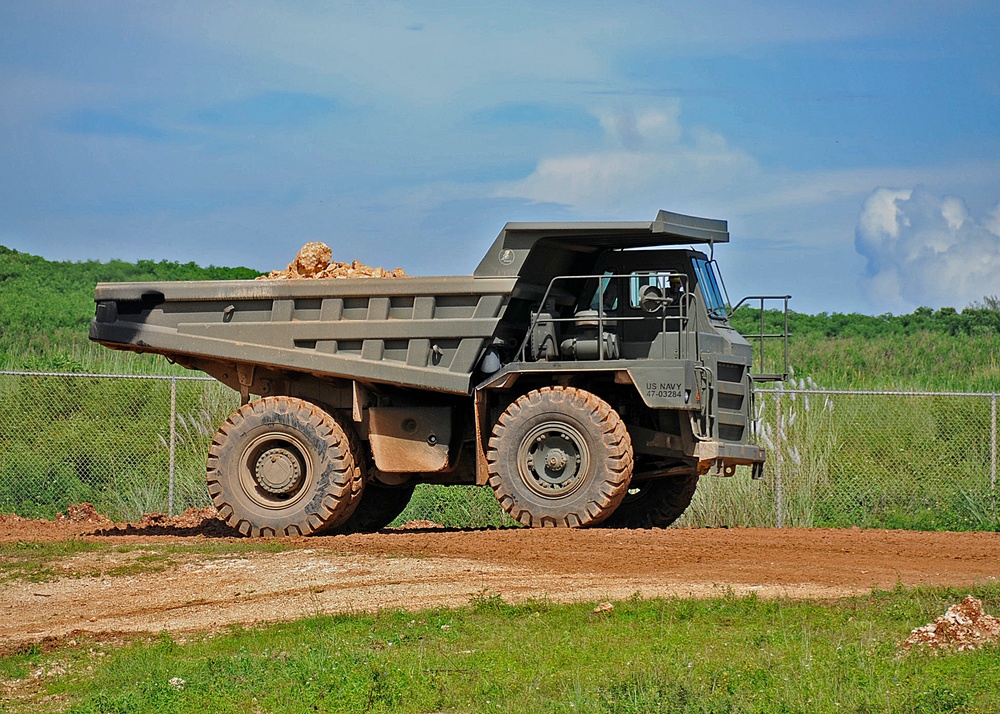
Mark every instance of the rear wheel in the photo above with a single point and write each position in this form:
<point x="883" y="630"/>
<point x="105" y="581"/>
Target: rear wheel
<point x="654" y="504"/>
<point x="283" y="466"/>
<point x="378" y="507"/>
<point x="559" y="456"/>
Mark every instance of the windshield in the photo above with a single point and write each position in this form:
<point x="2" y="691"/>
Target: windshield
<point x="714" y="302"/>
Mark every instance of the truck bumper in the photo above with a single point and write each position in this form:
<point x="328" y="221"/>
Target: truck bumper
<point x="721" y="458"/>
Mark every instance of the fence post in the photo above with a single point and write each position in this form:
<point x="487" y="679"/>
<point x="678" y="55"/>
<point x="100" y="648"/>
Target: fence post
<point x="993" y="457"/>
<point x="173" y="443"/>
<point x="779" y="504"/>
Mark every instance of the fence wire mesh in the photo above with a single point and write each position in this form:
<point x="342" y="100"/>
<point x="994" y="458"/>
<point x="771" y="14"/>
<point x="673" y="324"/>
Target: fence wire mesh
<point x="129" y="445"/>
<point x="913" y="460"/>
<point x="135" y="445"/>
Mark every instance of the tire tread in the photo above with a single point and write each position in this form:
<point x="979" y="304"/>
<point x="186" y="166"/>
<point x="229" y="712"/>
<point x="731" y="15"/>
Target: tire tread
<point x="615" y="468"/>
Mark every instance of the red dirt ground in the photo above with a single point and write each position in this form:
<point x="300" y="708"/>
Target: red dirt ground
<point x="111" y="590"/>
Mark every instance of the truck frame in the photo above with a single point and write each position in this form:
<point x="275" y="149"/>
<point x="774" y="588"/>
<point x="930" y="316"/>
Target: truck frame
<point x="586" y="372"/>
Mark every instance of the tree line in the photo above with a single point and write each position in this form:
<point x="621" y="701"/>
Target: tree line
<point x="46" y="307"/>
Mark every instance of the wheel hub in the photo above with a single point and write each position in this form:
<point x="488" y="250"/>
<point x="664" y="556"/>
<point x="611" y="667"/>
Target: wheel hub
<point x="556" y="460"/>
<point x="278" y="471"/>
<point x="552" y="458"/>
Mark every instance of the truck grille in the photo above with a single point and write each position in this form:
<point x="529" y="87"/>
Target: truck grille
<point x="731" y="400"/>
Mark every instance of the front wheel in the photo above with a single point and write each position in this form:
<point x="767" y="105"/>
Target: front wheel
<point x="559" y="457"/>
<point x="283" y="466"/>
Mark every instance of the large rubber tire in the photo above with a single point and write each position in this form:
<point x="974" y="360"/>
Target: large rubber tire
<point x="283" y="466"/>
<point x="378" y="507"/>
<point x="654" y="504"/>
<point x="559" y="457"/>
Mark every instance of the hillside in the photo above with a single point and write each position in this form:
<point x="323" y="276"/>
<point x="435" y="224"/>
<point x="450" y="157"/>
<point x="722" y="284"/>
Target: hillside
<point x="46" y="307"/>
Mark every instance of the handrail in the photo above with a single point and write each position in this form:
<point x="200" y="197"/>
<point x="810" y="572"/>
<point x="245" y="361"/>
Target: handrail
<point x="762" y="336"/>
<point x="683" y="319"/>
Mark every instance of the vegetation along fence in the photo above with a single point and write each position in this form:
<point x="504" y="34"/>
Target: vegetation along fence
<point x="136" y="444"/>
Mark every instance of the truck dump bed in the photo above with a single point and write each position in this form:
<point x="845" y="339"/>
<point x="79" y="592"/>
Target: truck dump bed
<point x="420" y="332"/>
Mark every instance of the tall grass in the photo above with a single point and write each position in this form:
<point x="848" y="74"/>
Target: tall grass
<point x="904" y="461"/>
<point x="71" y="351"/>
<point x="925" y="361"/>
<point x="799" y="431"/>
<point x="944" y="350"/>
<point x="839" y="460"/>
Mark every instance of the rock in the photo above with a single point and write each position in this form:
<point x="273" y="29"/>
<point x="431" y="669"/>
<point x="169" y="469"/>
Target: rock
<point x="314" y="260"/>
<point x="964" y="626"/>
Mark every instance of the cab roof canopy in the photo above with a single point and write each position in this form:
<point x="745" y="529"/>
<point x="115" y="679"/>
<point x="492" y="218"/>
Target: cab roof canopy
<point x="509" y="251"/>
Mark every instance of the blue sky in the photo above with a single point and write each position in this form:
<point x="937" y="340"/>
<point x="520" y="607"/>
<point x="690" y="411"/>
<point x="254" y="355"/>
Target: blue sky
<point x="854" y="147"/>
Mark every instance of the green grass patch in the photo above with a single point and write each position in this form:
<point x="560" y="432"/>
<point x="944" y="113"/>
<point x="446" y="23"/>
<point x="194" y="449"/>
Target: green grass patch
<point x="727" y="654"/>
<point x="942" y="350"/>
<point x="32" y="561"/>
<point x="455" y="507"/>
<point x="46" y="307"/>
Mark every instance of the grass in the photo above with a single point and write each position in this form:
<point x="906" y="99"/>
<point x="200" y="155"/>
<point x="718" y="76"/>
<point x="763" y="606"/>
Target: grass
<point x="455" y="507"/>
<point x="893" y="462"/>
<point x="105" y="441"/>
<point x="31" y="561"/>
<point x="926" y="361"/>
<point x="927" y="350"/>
<point x="912" y="462"/>
<point x="871" y="461"/>
<point x="725" y="654"/>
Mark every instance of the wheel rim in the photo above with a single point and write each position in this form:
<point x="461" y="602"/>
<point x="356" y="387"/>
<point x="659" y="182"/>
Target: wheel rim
<point x="275" y="470"/>
<point x="552" y="459"/>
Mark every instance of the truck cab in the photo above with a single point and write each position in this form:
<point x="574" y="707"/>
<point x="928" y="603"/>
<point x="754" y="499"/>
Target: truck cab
<point x="624" y="312"/>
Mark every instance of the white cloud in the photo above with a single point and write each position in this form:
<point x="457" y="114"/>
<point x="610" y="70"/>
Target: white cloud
<point x="926" y="250"/>
<point x="660" y="126"/>
<point x="992" y="220"/>
<point x="880" y="216"/>
<point x="647" y="157"/>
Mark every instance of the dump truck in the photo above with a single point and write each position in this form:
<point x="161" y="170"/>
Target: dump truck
<point x="586" y="372"/>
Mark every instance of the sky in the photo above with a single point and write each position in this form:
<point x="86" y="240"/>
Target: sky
<point x="854" y="147"/>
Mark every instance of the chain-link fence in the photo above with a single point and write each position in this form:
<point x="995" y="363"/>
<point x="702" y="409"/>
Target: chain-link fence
<point x="132" y="445"/>
<point x="914" y="460"/>
<point x="128" y="444"/>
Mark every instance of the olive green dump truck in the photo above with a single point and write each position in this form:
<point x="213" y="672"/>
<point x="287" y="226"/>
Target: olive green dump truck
<point x="586" y="372"/>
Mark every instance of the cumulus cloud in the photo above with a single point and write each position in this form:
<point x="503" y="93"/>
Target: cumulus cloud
<point x="635" y="132"/>
<point x="923" y="249"/>
<point x="647" y="158"/>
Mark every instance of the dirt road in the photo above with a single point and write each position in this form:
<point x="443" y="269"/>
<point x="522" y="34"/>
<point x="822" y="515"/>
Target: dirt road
<point x="110" y="590"/>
